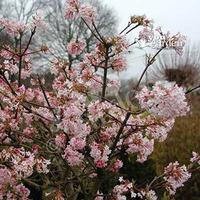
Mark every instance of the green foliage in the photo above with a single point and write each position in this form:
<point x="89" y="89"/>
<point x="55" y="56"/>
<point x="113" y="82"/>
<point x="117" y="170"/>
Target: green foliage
<point x="165" y="197"/>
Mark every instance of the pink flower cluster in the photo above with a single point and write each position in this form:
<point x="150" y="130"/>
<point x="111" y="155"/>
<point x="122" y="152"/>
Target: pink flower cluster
<point x="21" y="165"/>
<point x="119" y="191"/>
<point x="99" y="154"/>
<point x="176" y="42"/>
<point x="141" y="20"/>
<point x="195" y="158"/>
<point x="116" y="165"/>
<point x="165" y="100"/>
<point x="85" y="11"/>
<point x="74" y="48"/>
<point x="9" y="188"/>
<point x="97" y="109"/>
<point x="141" y="145"/>
<point x="175" y="176"/>
<point x="13" y="28"/>
<point x="72" y="156"/>
<point x="23" y="162"/>
<point x="146" y="34"/>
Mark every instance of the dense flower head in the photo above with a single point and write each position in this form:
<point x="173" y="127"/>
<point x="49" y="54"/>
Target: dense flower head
<point x="165" y="100"/>
<point x="158" y="128"/>
<point x="119" y="64"/>
<point x="100" y="154"/>
<point x="97" y="109"/>
<point x="84" y="11"/>
<point x="150" y="195"/>
<point x="116" y="165"/>
<point x="88" y="13"/>
<point x="13" y="28"/>
<point x="195" y="158"/>
<point x="141" y="20"/>
<point x="120" y="191"/>
<point x="23" y="162"/>
<point x="60" y="140"/>
<point x="75" y="47"/>
<point x="42" y="165"/>
<point x="175" y="176"/>
<point x="119" y="43"/>
<point x="146" y="34"/>
<point x="176" y="42"/>
<point x="72" y="156"/>
<point x="141" y="145"/>
<point x="9" y="188"/>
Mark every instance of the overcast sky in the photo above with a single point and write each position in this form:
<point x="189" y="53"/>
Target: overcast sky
<point x="174" y="15"/>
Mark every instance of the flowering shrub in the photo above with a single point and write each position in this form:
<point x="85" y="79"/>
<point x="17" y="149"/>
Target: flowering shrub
<point x="71" y="136"/>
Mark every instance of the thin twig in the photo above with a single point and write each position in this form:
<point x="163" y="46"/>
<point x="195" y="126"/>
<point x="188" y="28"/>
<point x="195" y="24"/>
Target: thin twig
<point x="128" y="114"/>
<point x="132" y="28"/>
<point x="191" y="90"/>
<point x="46" y="98"/>
<point x="105" y="74"/>
<point x="150" y="62"/>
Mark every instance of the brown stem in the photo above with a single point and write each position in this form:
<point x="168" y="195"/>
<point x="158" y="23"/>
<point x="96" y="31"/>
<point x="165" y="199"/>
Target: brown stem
<point x="128" y="114"/>
<point x="191" y="90"/>
<point x="7" y="82"/>
<point x="105" y="75"/>
<point x="125" y="28"/>
<point x="46" y="98"/>
<point x="92" y="31"/>
<point x="132" y="28"/>
<point x="98" y="33"/>
<point x="29" y="42"/>
<point x="20" y="60"/>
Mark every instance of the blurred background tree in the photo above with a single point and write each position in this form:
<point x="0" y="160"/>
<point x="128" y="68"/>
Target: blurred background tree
<point x="184" y="70"/>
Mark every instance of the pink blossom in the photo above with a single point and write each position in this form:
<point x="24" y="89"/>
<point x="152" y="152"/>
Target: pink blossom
<point x="142" y="20"/>
<point x="119" y="64"/>
<point x="87" y="12"/>
<point x="69" y="14"/>
<point x="97" y="109"/>
<point x="175" y="176"/>
<point x="72" y="156"/>
<point x="10" y="66"/>
<point x="158" y="130"/>
<point x="38" y="21"/>
<point x="61" y="140"/>
<point x="120" y="44"/>
<point x="77" y="143"/>
<point x="146" y="34"/>
<point x="73" y="3"/>
<point x="176" y="42"/>
<point x="11" y="27"/>
<point x="42" y="164"/>
<point x="9" y="188"/>
<point x="23" y="191"/>
<point x="75" y="47"/>
<point x="99" y="154"/>
<point x="195" y="158"/>
<point x="165" y="99"/>
<point x="141" y="145"/>
<point x="150" y="195"/>
<point x="116" y="165"/>
<point x="119" y="191"/>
